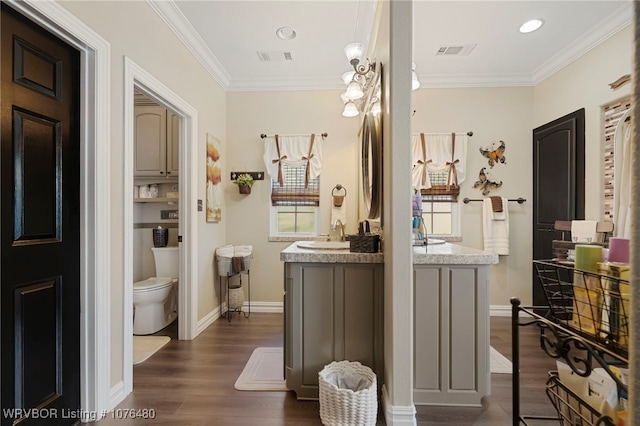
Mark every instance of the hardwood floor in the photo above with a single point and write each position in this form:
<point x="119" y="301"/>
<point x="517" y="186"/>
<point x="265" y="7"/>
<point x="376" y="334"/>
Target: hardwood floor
<point x="191" y="382"/>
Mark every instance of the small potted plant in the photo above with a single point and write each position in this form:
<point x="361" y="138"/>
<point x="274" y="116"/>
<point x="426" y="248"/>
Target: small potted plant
<point x="244" y="182"/>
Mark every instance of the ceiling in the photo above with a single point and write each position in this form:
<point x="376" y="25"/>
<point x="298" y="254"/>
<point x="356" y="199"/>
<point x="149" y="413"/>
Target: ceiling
<point x="227" y="35"/>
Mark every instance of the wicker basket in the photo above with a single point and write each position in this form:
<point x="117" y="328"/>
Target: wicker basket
<point x="236" y="298"/>
<point x="364" y="243"/>
<point x="341" y="407"/>
<point x="225" y="265"/>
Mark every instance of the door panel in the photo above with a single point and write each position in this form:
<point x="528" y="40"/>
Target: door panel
<point x="40" y="230"/>
<point x="558" y="184"/>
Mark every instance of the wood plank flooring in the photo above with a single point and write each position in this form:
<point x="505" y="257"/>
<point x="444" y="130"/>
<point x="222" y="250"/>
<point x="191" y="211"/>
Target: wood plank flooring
<point x="191" y="382"/>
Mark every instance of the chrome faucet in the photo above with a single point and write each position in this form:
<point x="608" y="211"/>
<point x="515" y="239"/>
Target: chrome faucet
<point x="339" y="226"/>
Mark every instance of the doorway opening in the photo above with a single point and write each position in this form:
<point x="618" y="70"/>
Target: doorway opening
<point x="137" y="80"/>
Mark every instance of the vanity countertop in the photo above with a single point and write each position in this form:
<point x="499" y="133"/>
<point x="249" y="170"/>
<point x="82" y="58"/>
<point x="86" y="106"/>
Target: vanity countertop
<point x="452" y="254"/>
<point x="293" y="253"/>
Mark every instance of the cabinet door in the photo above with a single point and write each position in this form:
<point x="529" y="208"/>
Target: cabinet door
<point x="451" y="340"/>
<point x="173" y="144"/>
<point x="310" y="333"/>
<point x="150" y="141"/>
<point x="332" y="313"/>
<point x="359" y="319"/>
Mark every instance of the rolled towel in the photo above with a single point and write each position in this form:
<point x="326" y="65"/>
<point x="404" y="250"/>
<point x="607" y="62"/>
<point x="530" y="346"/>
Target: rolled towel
<point x="619" y="250"/>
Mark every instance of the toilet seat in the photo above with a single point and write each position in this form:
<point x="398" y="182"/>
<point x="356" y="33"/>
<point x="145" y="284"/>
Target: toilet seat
<point x="153" y="283"/>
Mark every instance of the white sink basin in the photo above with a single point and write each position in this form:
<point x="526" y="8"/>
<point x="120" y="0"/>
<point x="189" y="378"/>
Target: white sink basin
<point x="433" y="241"/>
<point x="324" y="245"/>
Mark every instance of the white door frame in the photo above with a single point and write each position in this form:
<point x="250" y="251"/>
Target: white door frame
<point x="95" y="168"/>
<point x="135" y="77"/>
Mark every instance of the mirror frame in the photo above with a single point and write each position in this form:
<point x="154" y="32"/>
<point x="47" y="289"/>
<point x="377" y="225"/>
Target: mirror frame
<point x="371" y="149"/>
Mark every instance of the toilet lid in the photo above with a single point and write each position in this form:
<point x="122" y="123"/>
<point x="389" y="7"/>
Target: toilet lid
<point x="153" y="283"/>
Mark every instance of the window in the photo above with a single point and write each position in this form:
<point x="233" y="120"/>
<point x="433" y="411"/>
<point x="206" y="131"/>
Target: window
<point x="294" y="207"/>
<point x="439" y="208"/>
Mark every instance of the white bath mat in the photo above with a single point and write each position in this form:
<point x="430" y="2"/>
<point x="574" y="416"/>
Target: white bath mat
<point x="499" y="363"/>
<point x="264" y="371"/>
<point x="145" y="346"/>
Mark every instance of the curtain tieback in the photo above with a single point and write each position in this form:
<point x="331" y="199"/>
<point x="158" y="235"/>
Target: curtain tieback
<point x="308" y="158"/>
<point x="452" y="171"/>
<point x="279" y="161"/>
<point x="424" y="171"/>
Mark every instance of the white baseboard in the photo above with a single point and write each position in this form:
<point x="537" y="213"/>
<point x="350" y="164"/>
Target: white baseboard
<point x="268" y="307"/>
<point x="207" y="320"/>
<point x="500" y="310"/>
<point x="504" y="311"/>
<point x="116" y="395"/>
<point x="397" y="415"/>
<point x="211" y="317"/>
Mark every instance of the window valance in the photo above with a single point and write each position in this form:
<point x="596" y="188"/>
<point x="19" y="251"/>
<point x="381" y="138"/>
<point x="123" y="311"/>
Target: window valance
<point x="292" y="150"/>
<point x="438" y="153"/>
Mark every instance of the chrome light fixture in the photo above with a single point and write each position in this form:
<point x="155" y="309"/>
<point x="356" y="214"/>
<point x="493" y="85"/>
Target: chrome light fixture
<point x="357" y="80"/>
<point x="415" y="83"/>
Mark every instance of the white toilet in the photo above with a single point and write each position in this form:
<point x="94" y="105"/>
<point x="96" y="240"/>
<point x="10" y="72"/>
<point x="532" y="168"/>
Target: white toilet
<point x="155" y="300"/>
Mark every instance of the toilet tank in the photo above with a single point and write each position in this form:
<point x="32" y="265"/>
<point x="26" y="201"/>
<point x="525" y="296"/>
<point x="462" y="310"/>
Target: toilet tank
<point x="167" y="261"/>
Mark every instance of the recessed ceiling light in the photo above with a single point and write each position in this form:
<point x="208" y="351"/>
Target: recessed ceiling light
<point x="286" y="33"/>
<point x="531" y="26"/>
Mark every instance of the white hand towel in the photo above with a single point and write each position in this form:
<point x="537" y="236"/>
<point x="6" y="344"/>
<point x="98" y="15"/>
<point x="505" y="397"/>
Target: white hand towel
<point x="242" y="250"/>
<point x="495" y="227"/>
<point x="584" y="230"/>
<point x="225" y="251"/>
<point x="339" y="213"/>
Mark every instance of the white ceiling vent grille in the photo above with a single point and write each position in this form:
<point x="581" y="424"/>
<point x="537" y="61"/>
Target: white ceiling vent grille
<point x="275" y="56"/>
<point x="462" y="50"/>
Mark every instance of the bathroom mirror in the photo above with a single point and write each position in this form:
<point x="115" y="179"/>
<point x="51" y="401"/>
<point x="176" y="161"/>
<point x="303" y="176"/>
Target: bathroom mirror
<point x="371" y="134"/>
<point x="371" y="167"/>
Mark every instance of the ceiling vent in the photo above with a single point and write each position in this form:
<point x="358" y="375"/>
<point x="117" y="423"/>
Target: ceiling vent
<point x="275" y="56"/>
<point x="463" y="50"/>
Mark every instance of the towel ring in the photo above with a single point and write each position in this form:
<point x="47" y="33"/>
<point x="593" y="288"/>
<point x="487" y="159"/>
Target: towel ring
<point x="339" y="188"/>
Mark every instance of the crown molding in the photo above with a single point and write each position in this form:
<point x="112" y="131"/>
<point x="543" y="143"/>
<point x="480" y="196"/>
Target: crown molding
<point x="175" y="19"/>
<point x="285" y="83"/>
<point x="609" y="26"/>
<point x="441" y="81"/>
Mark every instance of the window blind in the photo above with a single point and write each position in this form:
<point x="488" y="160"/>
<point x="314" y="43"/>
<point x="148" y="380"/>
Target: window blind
<point x="293" y="192"/>
<point x="438" y="191"/>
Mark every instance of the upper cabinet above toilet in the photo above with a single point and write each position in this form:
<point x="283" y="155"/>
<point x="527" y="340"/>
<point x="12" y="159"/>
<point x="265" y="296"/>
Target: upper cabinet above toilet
<point x="156" y="140"/>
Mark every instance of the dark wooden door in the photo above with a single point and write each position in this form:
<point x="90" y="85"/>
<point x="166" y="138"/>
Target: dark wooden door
<point x="40" y="230"/>
<point x="558" y="183"/>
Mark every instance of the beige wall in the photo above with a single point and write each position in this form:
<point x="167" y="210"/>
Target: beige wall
<point x="141" y="35"/>
<point x="493" y="114"/>
<point x="246" y="217"/>
<point x="585" y="84"/>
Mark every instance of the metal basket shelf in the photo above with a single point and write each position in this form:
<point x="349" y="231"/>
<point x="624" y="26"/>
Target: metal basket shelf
<point x="572" y="410"/>
<point x="593" y="305"/>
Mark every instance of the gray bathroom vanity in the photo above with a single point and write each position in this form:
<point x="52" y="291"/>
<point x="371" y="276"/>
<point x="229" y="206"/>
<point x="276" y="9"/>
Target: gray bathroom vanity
<point x="334" y="311"/>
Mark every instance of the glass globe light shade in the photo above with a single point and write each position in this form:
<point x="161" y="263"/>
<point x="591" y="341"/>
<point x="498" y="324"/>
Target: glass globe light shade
<point x="350" y="110"/>
<point x="347" y="76"/>
<point x="354" y="91"/>
<point x="353" y="51"/>
<point x="415" y="83"/>
<point x="375" y="108"/>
